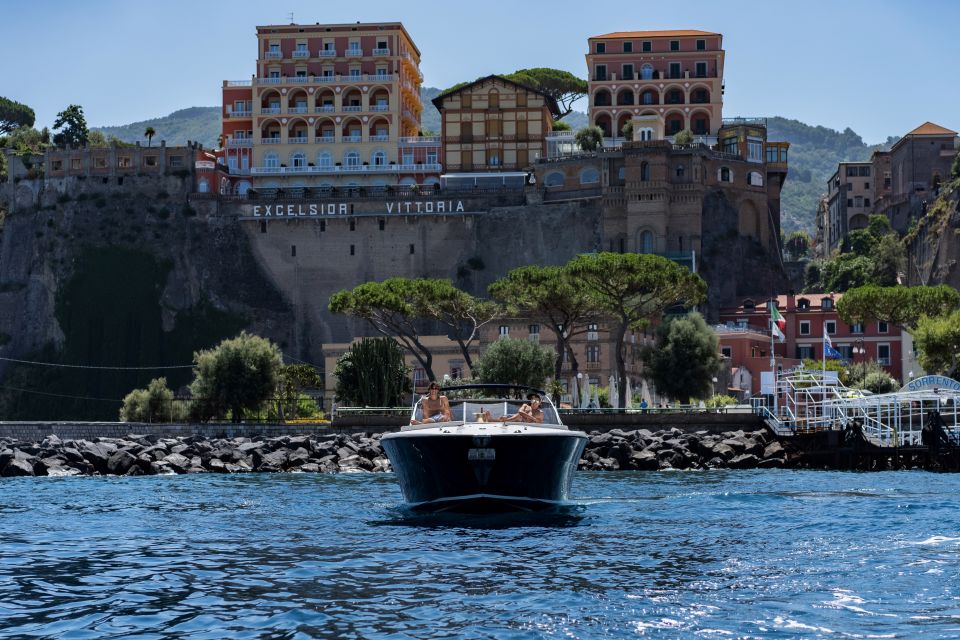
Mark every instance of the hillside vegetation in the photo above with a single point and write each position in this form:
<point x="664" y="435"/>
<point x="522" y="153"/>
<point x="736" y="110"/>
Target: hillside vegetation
<point x="199" y="124"/>
<point x="814" y="151"/>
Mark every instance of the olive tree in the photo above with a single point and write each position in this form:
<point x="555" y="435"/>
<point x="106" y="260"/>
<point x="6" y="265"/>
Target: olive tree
<point x="238" y="374"/>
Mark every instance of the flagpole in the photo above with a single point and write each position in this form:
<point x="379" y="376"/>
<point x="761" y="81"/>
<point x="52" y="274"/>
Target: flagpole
<point x="773" y="368"/>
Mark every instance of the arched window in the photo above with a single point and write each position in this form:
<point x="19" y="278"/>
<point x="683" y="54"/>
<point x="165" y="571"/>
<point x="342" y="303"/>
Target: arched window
<point x="351" y="159"/>
<point x="324" y="159"/>
<point x="681" y="171"/>
<point x="298" y="159"/>
<point x="749" y="305"/>
<point x="726" y="175"/>
<point x="554" y="179"/>
<point x="378" y="158"/>
<point x="647" y="97"/>
<point x="646" y="242"/>
<point x="271" y="160"/>
<point x="646" y="72"/>
<point x="203" y="186"/>
<point x="755" y="178"/>
<point x="645" y="171"/>
<point x="589" y="176"/>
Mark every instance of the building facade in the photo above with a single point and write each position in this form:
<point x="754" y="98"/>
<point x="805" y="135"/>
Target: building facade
<point x="329" y="106"/>
<point x="494" y="125"/>
<point x="657" y="196"/>
<point x="745" y="335"/>
<point x="850" y="201"/>
<point x="674" y="76"/>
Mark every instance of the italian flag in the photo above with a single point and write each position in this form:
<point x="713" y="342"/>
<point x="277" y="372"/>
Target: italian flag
<point x="777" y="323"/>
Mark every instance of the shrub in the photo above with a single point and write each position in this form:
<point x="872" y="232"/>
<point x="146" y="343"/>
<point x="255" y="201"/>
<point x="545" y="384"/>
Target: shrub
<point x="153" y="404"/>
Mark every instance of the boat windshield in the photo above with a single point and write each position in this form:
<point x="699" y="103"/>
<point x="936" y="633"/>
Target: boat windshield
<point x="474" y="409"/>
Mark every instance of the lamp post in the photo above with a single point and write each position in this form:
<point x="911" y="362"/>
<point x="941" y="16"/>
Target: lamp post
<point x="858" y="349"/>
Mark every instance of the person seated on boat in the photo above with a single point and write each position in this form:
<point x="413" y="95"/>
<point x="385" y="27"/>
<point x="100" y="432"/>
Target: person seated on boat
<point x="529" y="412"/>
<point x="435" y="407"/>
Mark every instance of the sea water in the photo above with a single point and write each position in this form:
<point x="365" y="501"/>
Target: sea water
<point x="718" y="554"/>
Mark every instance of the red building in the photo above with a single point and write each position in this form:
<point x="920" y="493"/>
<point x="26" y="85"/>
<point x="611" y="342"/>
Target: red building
<point x="745" y="335"/>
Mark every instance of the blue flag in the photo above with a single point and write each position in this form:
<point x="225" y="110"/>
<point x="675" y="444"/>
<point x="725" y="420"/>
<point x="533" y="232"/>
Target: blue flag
<point x="828" y="350"/>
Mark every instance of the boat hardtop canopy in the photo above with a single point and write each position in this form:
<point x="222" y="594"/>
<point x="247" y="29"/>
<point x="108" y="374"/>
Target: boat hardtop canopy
<point x="467" y="405"/>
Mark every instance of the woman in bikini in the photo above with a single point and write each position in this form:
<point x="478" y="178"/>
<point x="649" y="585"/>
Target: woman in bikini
<point x="530" y="412"/>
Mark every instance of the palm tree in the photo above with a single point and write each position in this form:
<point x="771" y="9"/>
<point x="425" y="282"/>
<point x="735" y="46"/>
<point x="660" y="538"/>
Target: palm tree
<point x="148" y="134"/>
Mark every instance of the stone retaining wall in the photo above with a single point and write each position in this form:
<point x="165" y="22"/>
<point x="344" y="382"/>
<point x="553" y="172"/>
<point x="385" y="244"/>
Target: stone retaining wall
<point x="685" y="422"/>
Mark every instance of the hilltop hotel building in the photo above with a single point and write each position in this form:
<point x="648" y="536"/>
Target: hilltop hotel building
<point x="329" y="106"/>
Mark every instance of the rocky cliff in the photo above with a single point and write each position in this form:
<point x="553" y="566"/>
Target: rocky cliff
<point x="127" y="275"/>
<point x="933" y="243"/>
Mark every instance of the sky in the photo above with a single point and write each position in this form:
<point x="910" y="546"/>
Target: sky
<point x="879" y="67"/>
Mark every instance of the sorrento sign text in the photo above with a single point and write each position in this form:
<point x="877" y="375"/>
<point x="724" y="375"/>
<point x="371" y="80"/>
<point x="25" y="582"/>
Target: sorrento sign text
<point x="399" y="207"/>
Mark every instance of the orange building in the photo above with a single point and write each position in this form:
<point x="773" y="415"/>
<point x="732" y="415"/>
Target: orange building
<point x="675" y="76"/>
<point x="329" y="106"/>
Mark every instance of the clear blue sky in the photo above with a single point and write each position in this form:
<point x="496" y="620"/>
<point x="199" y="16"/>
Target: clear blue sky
<point x="878" y="67"/>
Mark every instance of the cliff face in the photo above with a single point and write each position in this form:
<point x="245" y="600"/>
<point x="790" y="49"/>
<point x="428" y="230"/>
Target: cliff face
<point x="121" y="275"/>
<point x="933" y="246"/>
<point x="732" y="265"/>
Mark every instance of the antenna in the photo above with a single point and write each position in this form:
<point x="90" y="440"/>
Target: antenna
<point x="291" y="17"/>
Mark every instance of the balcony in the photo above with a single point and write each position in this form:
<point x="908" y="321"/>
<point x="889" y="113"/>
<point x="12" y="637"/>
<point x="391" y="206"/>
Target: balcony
<point x="324" y="139"/>
<point x="325" y="108"/>
<point x="380" y="107"/>
<point x="301" y="53"/>
<point x="237" y="83"/>
<point x="356" y="137"/>
<point x="360" y="77"/>
<point x="381" y="51"/>
<point x="270" y="111"/>
<point x="415" y="141"/>
<point x="240" y="142"/>
<point x="380" y="137"/>
<point x="273" y="55"/>
<point x="301" y="109"/>
<point x="298" y="140"/>
<point x="276" y="140"/>
<point x="328" y="53"/>
<point x="353" y="51"/>
<point x="352" y="108"/>
<point x="239" y="114"/>
<point x="392" y="168"/>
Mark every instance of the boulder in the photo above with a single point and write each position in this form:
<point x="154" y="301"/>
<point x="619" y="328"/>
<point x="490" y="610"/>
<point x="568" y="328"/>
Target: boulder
<point x="771" y="463"/>
<point x="744" y="461"/>
<point x="774" y="450"/>
<point x="176" y="462"/>
<point x="62" y="472"/>
<point x="120" y="462"/>
<point x="6" y="455"/>
<point x="16" y="468"/>
<point x="310" y="468"/>
<point x="276" y="460"/>
<point x="645" y="460"/>
<point x="217" y="465"/>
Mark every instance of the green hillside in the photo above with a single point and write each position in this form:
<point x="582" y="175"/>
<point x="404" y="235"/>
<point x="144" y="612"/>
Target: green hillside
<point x="814" y="154"/>
<point x="199" y="124"/>
<point x="814" y="151"/>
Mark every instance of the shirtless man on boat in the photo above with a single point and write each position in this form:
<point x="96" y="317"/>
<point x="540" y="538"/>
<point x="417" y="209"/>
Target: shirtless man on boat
<point x="530" y="412"/>
<point x="435" y="407"/>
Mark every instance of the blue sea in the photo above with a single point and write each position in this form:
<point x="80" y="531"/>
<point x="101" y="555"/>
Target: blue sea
<point x="719" y="554"/>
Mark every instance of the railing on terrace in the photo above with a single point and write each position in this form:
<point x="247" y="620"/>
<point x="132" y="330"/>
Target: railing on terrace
<point x="571" y="194"/>
<point x="238" y="83"/>
<point x="240" y="142"/>
<point x="392" y="168"/>
<point x="745" y="120"/>
<point x="360" y="77"/>
<point x="419" y="140"/>
<point x="509" y="195"/>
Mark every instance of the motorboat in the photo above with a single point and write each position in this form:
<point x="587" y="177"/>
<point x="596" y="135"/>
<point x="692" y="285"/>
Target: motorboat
<point x="478" y="462"/>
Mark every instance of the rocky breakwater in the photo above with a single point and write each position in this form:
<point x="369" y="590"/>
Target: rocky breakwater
<point x="149" y="455"/>
<point x="135" y="455"/>
<point x="645" y="450"/>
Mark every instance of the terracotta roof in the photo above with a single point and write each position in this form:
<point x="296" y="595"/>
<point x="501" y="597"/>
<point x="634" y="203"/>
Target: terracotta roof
<point x="655" y="34"/>
<point x="931" y="129"/>
<point x="760" y="302"/>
